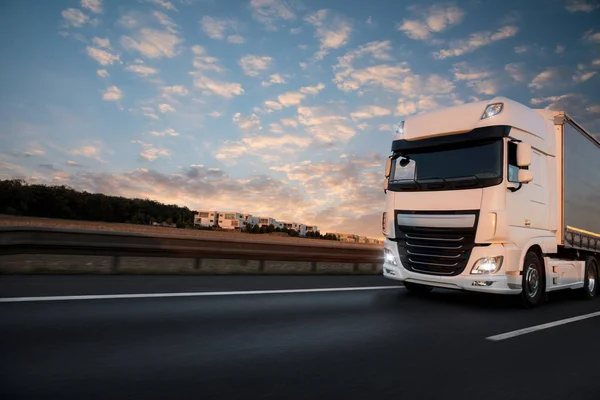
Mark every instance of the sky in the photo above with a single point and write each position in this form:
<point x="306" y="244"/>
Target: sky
<point x="270" y="107"/>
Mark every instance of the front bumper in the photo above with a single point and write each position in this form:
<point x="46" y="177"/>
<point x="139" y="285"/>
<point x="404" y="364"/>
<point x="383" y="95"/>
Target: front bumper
<point x="506" y="281"/>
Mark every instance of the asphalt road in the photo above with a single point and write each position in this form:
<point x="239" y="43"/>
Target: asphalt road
<point x="345" y="344"/>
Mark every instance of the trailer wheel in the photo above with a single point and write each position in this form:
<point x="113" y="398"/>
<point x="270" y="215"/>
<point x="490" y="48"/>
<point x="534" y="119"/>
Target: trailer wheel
<point x="533" y="281"/>
<point x="590" y="283"/>
<point x="417" y="288"/>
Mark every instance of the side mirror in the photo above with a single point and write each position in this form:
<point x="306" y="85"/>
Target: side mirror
<point x="388" y="167"/>
<point x="523" y="155"/>
<point x="524" y="176"/>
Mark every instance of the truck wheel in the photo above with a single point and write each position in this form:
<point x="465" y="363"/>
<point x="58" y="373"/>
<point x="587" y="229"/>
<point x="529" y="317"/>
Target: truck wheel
<point x="533" y="281"/>
<point x="590" y="283"/>
<point x="417" y="288"/>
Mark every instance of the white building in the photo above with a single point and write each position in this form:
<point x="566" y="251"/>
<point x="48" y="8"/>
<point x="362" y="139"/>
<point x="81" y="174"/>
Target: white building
<point x="231" y="220"/>
<point x="291" y="226"/>
<point x="347" y="237"/>
<point x="304" y="229"/>
<point x="206" y="218"/>
<point x="266" y="221"/>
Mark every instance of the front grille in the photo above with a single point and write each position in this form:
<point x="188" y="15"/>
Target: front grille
<point x="435" y="251"/>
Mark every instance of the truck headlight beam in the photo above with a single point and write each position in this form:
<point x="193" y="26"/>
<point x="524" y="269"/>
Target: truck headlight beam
<point x="487" y="265"/>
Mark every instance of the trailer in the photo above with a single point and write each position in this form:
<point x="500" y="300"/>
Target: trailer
<point x="494" y="197"/>
<point x="579" y="186"/>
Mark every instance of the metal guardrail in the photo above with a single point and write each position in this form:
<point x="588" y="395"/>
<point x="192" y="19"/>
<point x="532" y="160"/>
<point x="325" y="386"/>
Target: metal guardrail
<point x="44" y="240"/>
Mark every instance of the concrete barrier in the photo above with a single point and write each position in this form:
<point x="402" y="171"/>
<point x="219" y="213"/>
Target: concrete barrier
<point x="66" y="251"/>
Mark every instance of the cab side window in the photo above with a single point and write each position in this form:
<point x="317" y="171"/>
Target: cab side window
<point x="513" y="170"/>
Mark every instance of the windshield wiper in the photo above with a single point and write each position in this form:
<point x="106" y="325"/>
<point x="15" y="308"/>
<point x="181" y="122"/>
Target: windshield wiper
<point x="469" y="180"/>
<point x="442" y="182"/>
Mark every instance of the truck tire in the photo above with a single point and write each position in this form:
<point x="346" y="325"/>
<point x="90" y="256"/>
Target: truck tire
<point x="417" y="288"/>
<point x="533" y="281"/>
<point x="590" y="283"/>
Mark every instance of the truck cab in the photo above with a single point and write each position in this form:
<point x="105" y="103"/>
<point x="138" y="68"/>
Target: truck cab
<point x="475" y="201"/>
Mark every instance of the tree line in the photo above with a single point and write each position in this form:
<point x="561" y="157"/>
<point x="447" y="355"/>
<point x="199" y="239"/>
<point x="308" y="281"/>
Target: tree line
<point x="250" y="228"/>
<point x="19" y="198"/>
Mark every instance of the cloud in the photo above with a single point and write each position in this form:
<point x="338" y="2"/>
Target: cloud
<point x="463" y="72"/>
<point x="559" y="49"/>
<point x="289" y="122"/>
<point x="113" y="93"/>
<point x="149" y="112"/>
<point x="587" y="6"/>
<point x="256" y="145"/>
<point x="332" y="33"/>
<point x="177" y="90"/>
<point x="489" y="87"/>
<point x="94" y="6"/>
<point x="341" y="189"/>
<point x="435" y="19"/>
<point x="268" y="12"/>
<point x="327" y="127"/>
<point x="151" y="153"/>
<point x="215" y="114"/>
<point x="591" y="36"/>
<point x="142" y="70"/>
<point x="89" y="151"/>
<point x="31" y="152"/>
<point x="220" y="88"/>
<point x="312" y="89"/>
<point x="74" y="17"/>
<point x="274" y="79"/>
<point x="475" y="41"/>
<point x="164" y="3"/>
<point x="551" y="77"/>
<point x="368" y="112"/>
<point x="165" y="108"/>
<point x="102" y="56"/>
<point x="236" y="39"/>
<point x="521" y="49"/>
<point x="74" y="164"/>
<point x="518" y="71"/>
<point x="419" y="104"/>
<point x="102" y="42"/>
<point x="166" y="132"/>
<point x="102" y="73"/>
<point x="252" y="65"/>
<point x="273" y="105"/>
<point x="276" y="128"/>
<point x="165" y="21"/>
<point x="153" y="43"/>
<point x="247" y="124"/>
<point x="201" y="187"/>
<point x="204" y="62"/>
<point x="216" y="28"/>
<point x="577" y="105"/>
<point x="289" y="99"/>
<point x="581" y="75"/>
<point x="348" y="78"/>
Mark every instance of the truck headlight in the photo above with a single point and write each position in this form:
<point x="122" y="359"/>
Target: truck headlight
<point x="389" y="256"/>
<point x="487" y="265"/>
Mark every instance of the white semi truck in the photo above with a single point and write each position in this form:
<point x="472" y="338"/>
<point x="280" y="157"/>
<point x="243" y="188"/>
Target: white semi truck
<point x="495" y="197"/>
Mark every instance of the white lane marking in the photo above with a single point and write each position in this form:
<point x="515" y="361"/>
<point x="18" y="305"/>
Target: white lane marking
<point x="525" y="331"/>
<point x="189" y="294"/>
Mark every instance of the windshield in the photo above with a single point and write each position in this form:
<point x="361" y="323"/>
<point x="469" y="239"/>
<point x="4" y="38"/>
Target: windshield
<point x="466" y="164"/>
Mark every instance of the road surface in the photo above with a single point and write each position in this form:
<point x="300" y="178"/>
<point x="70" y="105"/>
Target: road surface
<point x="349" y="343"/>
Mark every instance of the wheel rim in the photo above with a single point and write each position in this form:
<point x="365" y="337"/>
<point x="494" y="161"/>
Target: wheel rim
<point x="591" y="280"/>
<point x="532" y="281"/>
